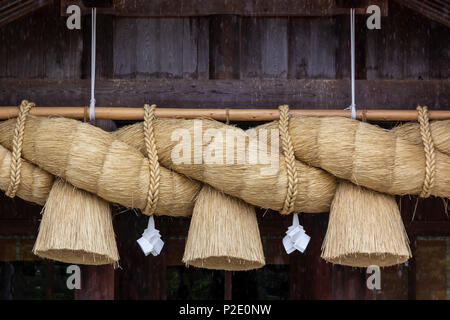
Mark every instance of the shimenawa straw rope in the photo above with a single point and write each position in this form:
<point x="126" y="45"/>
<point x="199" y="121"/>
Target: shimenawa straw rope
<point x="430" y="156"/>
<point x="16" y="161"/>
<point x="288" y="151"/>
<point x="152" y="154"/>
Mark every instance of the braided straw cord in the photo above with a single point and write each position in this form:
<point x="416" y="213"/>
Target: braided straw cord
<point x="430" y="156"/>
<point x="152" y="154"/>
<point x="288" y="151"/>
<point x="16" y="159"/>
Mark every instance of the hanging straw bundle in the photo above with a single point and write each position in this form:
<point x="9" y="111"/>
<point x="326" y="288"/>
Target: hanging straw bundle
<point x="223" y="234"/>
<point x="76" y="227"/>
<point x="365" y="228"/>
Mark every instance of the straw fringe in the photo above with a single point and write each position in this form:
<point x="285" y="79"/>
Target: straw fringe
<point x="365" y="228"/>
<point x="76" y="227"/>
<point x="223" y="234"/>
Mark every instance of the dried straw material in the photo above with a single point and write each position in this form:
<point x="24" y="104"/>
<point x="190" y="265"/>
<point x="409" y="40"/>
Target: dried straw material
<point x="440" y="132"/>
<point x="288" y="152"/>
<point x="367" y="155"/>
<point x="223" y="234"/>
<point x="152" y="154"/>
<point x="35" y="183"/>
<point x="365" y="228"/>
<point x="91" y="159"/>
<point x="16" y="161"/>
<point x="242" y="180"/>
<point x="76" y="227"/>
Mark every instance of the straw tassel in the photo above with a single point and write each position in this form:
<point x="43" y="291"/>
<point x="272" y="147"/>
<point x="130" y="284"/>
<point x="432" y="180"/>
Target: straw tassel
<point x="76" y="227"/>
<point x="365" y="228"/>
<point x="223" y="234"/>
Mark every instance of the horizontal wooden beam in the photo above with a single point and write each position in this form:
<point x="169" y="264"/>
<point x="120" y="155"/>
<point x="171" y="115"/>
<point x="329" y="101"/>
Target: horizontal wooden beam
<point x="122" y="113"/>
<point x="299" y="94"/>
<point x="263" y="8"/>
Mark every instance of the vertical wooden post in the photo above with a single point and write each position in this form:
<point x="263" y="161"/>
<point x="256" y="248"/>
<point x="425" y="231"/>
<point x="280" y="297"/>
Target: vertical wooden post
<point x="311" y="276"/>
<point x="224" y="47"/>
<point x="97" y="283"/>
<point x="228" y="285"/>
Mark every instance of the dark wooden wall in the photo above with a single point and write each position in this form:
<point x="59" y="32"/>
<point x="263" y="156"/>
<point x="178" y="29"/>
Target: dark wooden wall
<point x="241" y="61"/>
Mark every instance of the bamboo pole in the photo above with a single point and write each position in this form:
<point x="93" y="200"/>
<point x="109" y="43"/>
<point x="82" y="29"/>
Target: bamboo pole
<point x="123" y="113"/>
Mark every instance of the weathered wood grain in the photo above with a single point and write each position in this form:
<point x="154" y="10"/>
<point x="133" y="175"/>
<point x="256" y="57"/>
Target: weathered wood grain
<point x="313" y="46"/>
<point x="184" y="8"/>
<point x="370" y="94"/>
<point x="161" y="48"/>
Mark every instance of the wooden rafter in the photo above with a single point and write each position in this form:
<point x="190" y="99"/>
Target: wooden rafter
<point x="263" y="8"/>
<point x="14" y="9"/>
<point x="437" y="10"/>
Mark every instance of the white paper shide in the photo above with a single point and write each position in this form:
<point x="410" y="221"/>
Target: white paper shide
<point x="151" y="242"/>
<point x="296" y="237"/>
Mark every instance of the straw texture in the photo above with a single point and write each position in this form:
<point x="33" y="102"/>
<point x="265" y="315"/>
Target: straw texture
<point x="245" y="181"/>
<point x="367" y="155"/>
<point x="365" y="228"/>
<point x="35" y="183"/>
<point x="223" y="234"/>
<point x="92" y="160"/>
<point x="440" y="131"/>
<point x="76" y="227"/>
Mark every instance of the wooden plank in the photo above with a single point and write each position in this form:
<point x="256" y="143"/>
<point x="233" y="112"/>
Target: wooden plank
<point x="97" y="283"/>
<point x="311" y="276"/>
<point x="124" y="55"/>
<point x="264" y="8"/>
<point x="312" y="48"/>
<point x="439" y="52"/>
<point x="264" y="48"/>
<point x="161" y="48"/>
<point x="401" y="49"/>
<point x="104" y="56"/>
<point x="224" y="47"/>
<point x="40" y="46"/>
<point x="327" y="94"/>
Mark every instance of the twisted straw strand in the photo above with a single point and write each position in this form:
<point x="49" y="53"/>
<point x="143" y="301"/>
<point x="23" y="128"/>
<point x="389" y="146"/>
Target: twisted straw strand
<point x="16" y="159"/>
<point x="430" y="156"/>
<point x="288" y="151"/>
<point x="152" y="154"/>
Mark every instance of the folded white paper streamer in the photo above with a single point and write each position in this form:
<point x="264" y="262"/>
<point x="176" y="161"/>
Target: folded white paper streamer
<point x="151" y="242"/>
<point x="296" y="238"/>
